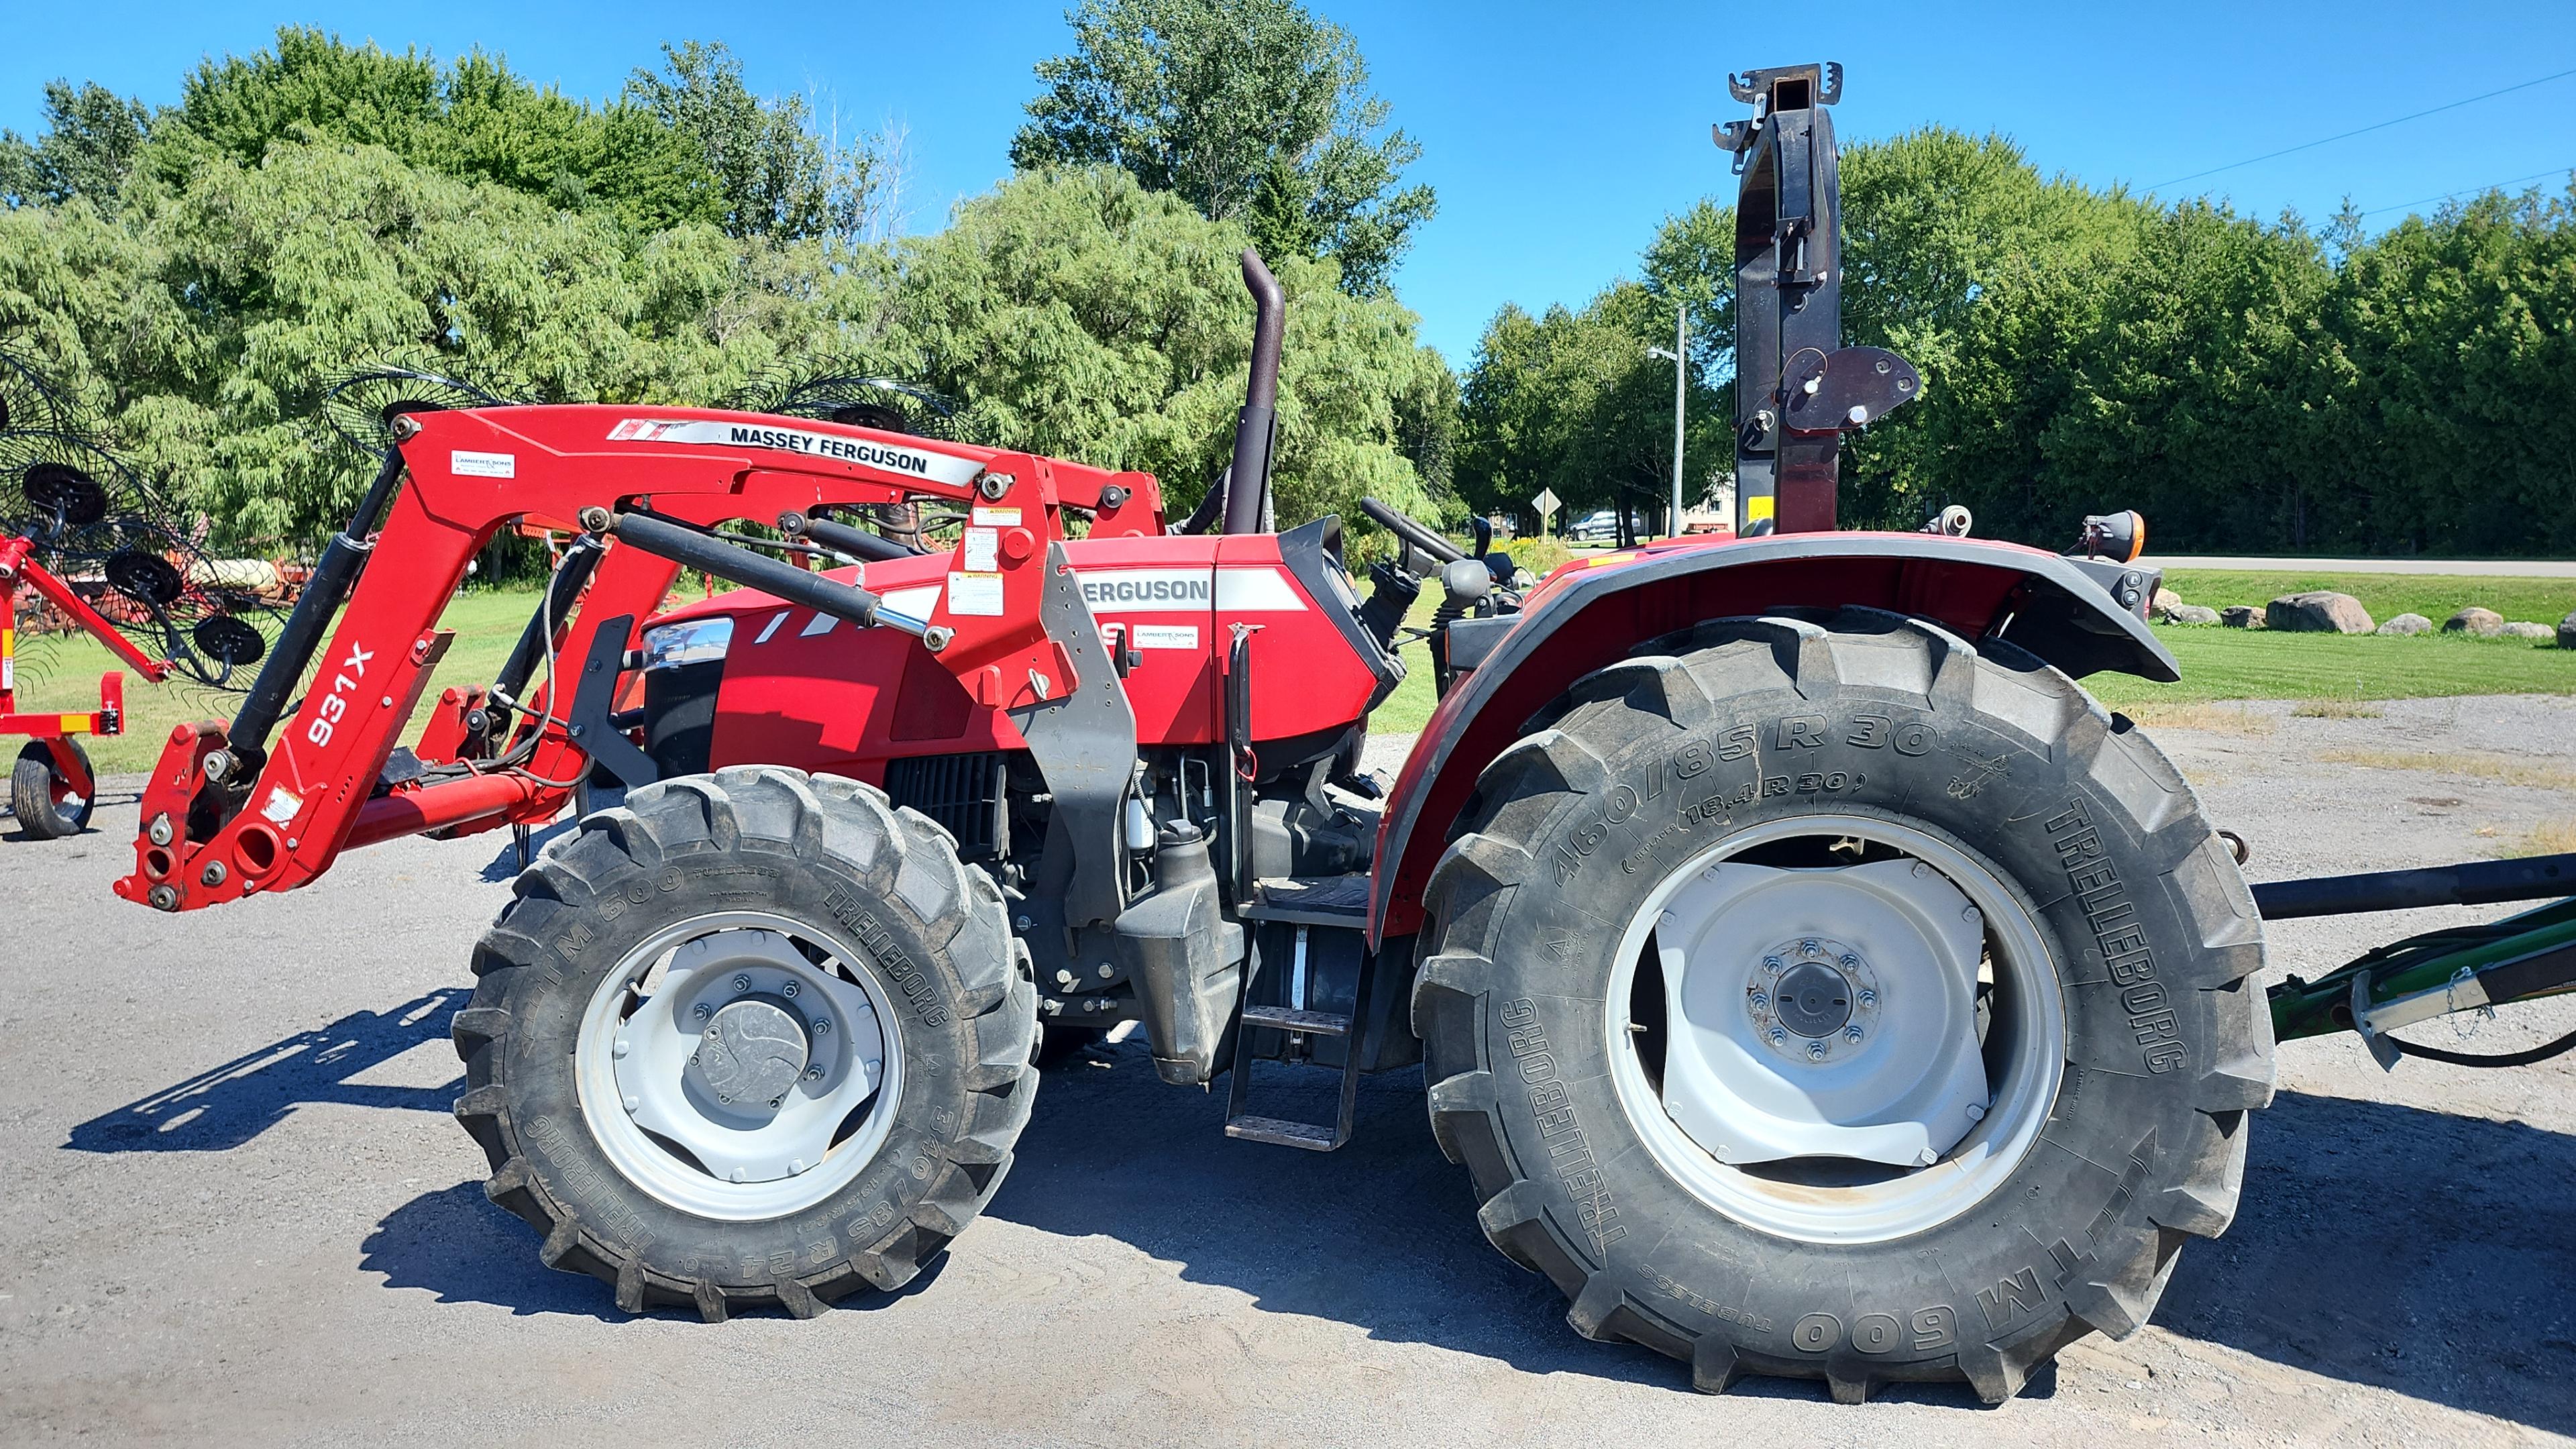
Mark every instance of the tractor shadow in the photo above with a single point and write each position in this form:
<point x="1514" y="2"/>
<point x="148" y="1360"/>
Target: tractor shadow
<point x="455" y="1245"/>
<point x="2424" y="1253"/>
<point x="2430" y="1254"/>
<point x="225" y="1106"/>
<point x="1381" y="1234"/>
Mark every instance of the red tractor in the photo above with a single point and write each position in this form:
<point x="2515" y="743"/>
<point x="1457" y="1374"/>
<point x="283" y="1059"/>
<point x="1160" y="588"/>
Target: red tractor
<point x="1813" y="979"/>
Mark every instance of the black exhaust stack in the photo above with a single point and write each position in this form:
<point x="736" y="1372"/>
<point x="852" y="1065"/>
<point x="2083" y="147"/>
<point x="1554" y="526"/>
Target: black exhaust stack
<point x="1247" y="495"/>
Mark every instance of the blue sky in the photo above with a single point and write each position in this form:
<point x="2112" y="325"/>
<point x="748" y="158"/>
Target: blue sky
<point x="1558" y="135"/>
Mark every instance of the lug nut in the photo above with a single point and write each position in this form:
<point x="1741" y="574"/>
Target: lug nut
<point x="814" y="1073"/>
<point x="704" y="1011"/>
<point x="1868" y="997"/>
<point x="741" y="982"/>
<point x="776" y="1101"/>
<point x="822" y="1026"/>
<point x="1851" y="1033"/>
<point x="1810" y="948"/>
<point x="1815" y="1051"/>
<point x="1851" y="962"/>
<point x="790" y="989"/>
<point x="1761" y="1001"/>
<point x="1774" y="964"/>
<point x="1779" y="1034"/>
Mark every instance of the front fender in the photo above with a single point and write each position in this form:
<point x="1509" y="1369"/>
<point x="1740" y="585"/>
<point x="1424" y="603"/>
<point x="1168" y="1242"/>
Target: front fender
<point x="1586" y="617"/>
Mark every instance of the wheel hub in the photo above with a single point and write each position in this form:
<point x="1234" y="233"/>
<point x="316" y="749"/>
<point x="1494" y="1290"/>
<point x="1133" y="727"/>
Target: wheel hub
<point x="751" y="1052"/>
<point x="1857" y="1044"/>
<point x="737" y="1071"/>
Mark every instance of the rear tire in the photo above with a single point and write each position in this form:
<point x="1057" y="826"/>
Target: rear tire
<point x="40" y="795"/>
<point x="889" y="933"/>
<point x="1869" y="726"/>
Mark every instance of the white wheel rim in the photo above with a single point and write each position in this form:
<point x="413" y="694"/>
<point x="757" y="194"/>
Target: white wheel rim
<point x="1811" y="1117"/>
<point x="720" y="1066"/>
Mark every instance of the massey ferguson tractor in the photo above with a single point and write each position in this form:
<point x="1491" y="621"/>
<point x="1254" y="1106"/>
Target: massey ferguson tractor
<point x="1812" y="978"/>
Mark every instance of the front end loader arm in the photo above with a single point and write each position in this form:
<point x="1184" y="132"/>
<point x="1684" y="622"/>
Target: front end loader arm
<point x="231" y="811"/>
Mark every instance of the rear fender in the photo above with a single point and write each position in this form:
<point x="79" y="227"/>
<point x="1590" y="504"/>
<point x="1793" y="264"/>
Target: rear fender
<point x="1585" y="618"/>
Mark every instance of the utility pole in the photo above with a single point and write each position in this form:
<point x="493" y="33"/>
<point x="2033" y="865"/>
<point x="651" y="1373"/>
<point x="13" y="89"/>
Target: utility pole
<point x="1681" y="384"/>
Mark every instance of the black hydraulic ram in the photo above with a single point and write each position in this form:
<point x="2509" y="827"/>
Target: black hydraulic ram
<point x="686" y="546"/>
<point x="2536" y="878"/>
<point x="343" y="558"/>
<point x="858" y="543"/>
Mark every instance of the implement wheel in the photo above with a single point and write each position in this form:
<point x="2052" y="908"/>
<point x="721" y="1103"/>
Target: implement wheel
<point x="753" y="1039"/>
<point x="45" y="800"/>
<point x="1827" y="999"/>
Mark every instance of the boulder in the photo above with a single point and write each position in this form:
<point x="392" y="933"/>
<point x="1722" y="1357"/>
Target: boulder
<point x="2164" y="603"/>
<point x="2242" y="616"/>
<point x="2485" y="623"/>
<point x="2406" y="624"/>
<point x="2567" y="632"/>
<point x="2318" y="611"/>
<point x="2191" y="614"/>
<point x="2521" y="629"/>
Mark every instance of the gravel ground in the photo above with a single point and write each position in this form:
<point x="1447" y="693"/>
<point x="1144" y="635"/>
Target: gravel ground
<point x="239" y="1212"/>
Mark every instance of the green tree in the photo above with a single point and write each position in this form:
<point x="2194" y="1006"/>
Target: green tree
<point x="91" y="135"/>
<point x="776" y="177"/>
<point x="1252" y="111"/>
<point x="1073" y="312"/>
<point x="1573" y="402"/>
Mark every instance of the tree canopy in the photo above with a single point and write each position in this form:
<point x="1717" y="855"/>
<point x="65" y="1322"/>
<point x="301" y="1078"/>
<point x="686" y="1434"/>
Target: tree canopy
<point x="2249" y="385"/>
<point x="1252" y="111"/>
<point x="322" y="208"/>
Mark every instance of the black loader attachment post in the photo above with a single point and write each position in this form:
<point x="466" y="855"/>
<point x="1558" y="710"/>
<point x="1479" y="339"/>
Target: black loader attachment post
<point x="1798" y="389"/>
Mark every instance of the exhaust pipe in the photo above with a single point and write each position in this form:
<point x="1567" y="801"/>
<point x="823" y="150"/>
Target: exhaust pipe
<point x="1247" y="495"/>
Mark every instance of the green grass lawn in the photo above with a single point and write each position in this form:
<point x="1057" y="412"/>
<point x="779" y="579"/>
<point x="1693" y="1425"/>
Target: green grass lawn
<point x="2435" y="596"/>
<point x="2222" y="663"/>
<point x="62" y="674"/>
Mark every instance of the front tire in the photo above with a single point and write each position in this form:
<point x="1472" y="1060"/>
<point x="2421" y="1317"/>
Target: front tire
<point x="754" y="1038"/>
<point x="1957" y="1149"/>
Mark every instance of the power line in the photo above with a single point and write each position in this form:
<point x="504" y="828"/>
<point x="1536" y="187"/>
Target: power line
<point x="2364" y="130"/>
<point x="2466" y="190"/>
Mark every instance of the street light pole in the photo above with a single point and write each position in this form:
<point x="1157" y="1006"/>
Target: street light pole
<point x="1681" y="379"/>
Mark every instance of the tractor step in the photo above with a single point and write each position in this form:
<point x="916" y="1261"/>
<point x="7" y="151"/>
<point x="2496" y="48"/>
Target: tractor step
<point x="1308" y="1023"/>
<point x="1322" y="901"/>
<point x="1280" y="1132"/>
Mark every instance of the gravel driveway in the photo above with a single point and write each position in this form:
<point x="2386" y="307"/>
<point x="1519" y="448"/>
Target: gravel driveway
<point x="238" y="1212"/>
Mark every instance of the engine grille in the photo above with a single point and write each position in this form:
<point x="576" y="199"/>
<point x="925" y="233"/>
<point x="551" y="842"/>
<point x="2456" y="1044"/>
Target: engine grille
<point x="964" y="793"/>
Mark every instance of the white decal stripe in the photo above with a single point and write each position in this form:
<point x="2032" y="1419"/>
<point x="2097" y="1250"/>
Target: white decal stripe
<point x="1256" y="590"/>
<point x="914" y="603"/>
<point x="772" y="626"/>
<point x="888" y="457"/>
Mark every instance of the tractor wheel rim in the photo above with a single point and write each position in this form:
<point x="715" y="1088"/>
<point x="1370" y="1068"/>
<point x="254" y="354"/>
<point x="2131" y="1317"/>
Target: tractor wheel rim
<point x="1803" y="1048"/>
<point x="740" y="1066"/>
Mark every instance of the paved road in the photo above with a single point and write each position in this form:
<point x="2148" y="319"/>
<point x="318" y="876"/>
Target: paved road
<point x="238" y="1213"/>
<point x="2472" y="567"/>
